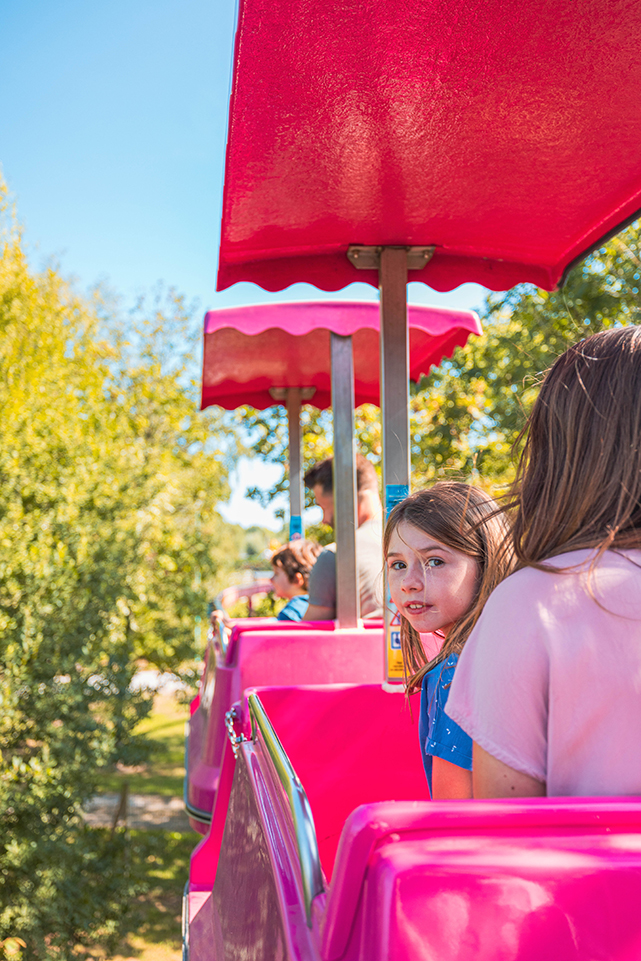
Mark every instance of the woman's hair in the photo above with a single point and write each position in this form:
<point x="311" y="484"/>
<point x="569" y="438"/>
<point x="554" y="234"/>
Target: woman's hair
<point x="466" y="519"/>
<point x="297" y="558"/>
<point x="578" y="482"/>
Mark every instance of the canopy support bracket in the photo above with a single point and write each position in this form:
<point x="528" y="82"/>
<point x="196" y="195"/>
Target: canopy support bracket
<point x="369" y="258"/>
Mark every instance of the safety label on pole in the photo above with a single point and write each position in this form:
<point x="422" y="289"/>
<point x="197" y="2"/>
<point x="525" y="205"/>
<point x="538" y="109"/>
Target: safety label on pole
<point x="394" y="494"/>
<point x="295" y="527"/>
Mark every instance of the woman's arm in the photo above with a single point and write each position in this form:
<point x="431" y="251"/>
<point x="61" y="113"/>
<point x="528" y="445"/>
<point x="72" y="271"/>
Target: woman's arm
<point x="493" y="779"/>
<point x="450" y="782"/>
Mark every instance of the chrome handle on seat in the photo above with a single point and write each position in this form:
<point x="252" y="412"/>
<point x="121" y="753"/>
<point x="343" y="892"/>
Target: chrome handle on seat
<point x="304" y="829"/>
<point x="236" y="739"/>
<point x="223" y="635"/>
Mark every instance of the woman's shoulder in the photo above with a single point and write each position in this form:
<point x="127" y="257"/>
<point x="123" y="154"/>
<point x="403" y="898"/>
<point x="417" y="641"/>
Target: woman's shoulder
<point x="567" y="578"/>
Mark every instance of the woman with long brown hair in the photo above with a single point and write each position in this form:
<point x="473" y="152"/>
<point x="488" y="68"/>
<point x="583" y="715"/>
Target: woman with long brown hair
<point x="549" y="684"/>
<point x="445" y="552"/>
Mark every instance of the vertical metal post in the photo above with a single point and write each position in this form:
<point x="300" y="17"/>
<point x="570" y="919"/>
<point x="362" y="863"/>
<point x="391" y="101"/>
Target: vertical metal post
<point x="345" y="522"/>
<point x="394" y="342"/>
<point x="295" y="464"/>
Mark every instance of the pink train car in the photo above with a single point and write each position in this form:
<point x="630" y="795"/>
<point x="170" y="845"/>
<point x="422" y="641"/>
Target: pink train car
<point x="264" y="651"/>
<point x="324" y="845"/>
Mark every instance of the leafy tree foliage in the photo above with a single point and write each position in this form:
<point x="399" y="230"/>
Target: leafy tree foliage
<point x="109" y="543"/>
<point x="525" y="331"/>
<point x="466" y="417"/>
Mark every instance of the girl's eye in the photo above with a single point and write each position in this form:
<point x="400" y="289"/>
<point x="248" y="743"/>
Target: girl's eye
<point x="434" y="562"/>
<point x="397" y="566"/>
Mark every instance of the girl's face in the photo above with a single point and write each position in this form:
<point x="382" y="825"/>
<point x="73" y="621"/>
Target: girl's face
<point x="432" y="585"/>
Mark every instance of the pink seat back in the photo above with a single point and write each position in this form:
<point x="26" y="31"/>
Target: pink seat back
<point x="308" y="656"/>
<point x="349" y="745"/>
<point x="269" y="654"/>
<point x="555" y="878"/>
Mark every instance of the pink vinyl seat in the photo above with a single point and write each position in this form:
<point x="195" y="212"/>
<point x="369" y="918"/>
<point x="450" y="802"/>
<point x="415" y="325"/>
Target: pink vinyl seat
<point x="267" y="653"/>
<point x="349" y="745"/>
<point x="522" y="880"/>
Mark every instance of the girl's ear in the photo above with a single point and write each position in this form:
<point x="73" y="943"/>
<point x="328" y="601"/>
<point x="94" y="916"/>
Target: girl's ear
<point x="299" y="580"/>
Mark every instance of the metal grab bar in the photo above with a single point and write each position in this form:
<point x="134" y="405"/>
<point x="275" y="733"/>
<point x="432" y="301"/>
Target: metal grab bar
<point x="302" y="817"/>
<point x="223" y="638"/>
<point x="218" y="630"/>
<point x="208" y="677"/>
<point x="238" y="592"/>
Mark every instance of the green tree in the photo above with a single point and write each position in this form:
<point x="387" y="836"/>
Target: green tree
<point x="109" y="543"/>
<point x="526" y="329"/>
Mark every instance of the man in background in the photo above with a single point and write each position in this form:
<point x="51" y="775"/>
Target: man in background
<point x="369" y="542"/>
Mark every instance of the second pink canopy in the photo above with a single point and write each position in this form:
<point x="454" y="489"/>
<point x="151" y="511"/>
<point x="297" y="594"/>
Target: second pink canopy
<point x="251" y="350"/>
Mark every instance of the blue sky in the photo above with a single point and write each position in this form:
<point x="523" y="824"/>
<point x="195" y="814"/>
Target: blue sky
<point x="112" y="141"/>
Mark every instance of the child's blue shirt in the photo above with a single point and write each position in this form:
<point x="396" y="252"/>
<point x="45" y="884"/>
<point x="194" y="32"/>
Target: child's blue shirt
<point x="294" y="609"/>
<point x="439" y="736"/>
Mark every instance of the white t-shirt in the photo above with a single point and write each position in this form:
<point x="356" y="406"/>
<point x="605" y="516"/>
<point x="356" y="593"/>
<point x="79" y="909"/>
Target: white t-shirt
<point x="549" y="681"/>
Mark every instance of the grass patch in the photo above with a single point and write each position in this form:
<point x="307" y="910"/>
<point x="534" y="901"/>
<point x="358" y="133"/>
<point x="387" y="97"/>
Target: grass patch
<point x="163" y="774"/>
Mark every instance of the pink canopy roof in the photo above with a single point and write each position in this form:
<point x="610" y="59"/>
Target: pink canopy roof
<point x="249" y="350"/>
<point x="508" y="135"/>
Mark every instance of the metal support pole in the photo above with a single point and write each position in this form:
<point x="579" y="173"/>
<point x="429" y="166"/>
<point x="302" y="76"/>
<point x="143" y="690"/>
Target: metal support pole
<point x="394" y="342"/>
<point x="345" y="522"/>
<point x="295" y="464"/>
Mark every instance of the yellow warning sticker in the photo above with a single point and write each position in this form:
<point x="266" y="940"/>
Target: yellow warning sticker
<point x="393" y="655"/>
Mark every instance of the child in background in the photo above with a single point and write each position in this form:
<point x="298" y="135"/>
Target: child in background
<point x="292" y="566"/>
<point x="445" y="550"/>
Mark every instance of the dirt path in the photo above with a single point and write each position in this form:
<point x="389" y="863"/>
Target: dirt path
<point x="143" y="811"/>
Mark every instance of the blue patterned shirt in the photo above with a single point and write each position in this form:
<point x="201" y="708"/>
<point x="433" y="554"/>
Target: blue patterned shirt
<point x="294" y="609"/>
<point x="438" y="734"/>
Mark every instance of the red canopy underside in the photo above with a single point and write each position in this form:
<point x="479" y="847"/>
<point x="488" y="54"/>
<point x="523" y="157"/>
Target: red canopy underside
<point x="506" y="134"/>
<point x="248" y="350"/>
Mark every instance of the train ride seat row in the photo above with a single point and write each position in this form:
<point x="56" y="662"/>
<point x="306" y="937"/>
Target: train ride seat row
<point x="323" y="849"/>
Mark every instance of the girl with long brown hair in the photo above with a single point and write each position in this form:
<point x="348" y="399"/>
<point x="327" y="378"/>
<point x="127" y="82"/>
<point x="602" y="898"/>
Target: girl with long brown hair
<point x="549" y="684"/>
<point x="445" y="550"/>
